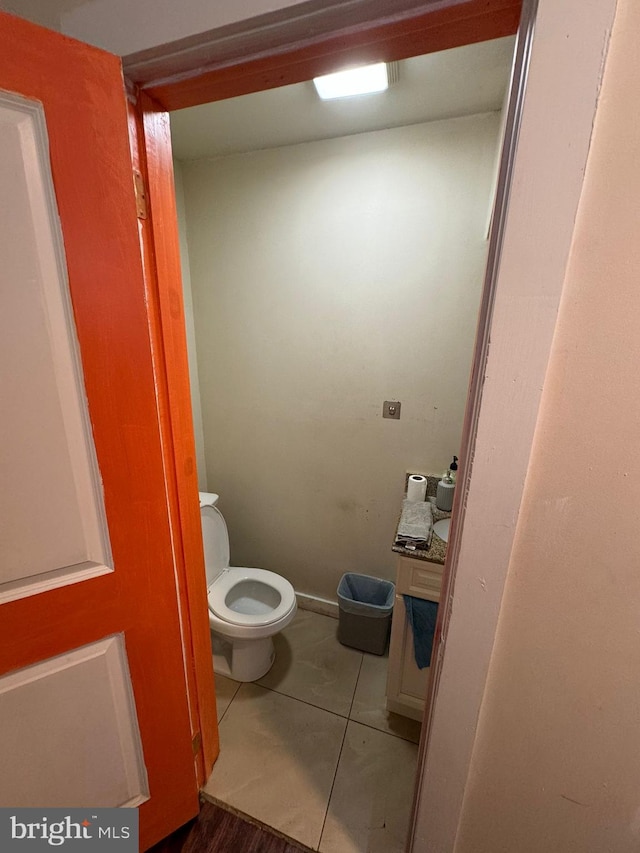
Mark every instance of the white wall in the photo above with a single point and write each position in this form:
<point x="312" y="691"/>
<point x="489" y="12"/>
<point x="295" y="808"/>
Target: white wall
<point x="569" y="49"/>
<point x="327" y="278"/>
<point x="190" y="328"/>
<point x="556" y="760"/>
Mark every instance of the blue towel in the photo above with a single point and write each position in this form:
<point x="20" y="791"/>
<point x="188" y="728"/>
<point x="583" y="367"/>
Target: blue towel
<point x="422" y="617"/>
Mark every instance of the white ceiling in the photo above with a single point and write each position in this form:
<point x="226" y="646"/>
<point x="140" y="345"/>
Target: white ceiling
<point x="463" y="81"/>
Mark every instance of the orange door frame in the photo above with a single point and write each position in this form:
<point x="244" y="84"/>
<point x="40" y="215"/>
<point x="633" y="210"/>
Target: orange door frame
<point x="172" y="79"/>
<point x="151" y="156"/>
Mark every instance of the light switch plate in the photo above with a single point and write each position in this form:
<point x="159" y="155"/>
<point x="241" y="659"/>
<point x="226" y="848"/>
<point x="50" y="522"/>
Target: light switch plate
<point x="391" y="409"/>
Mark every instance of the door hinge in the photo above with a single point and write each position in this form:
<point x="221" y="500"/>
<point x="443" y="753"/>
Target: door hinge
<point x="196" y="743"/>
<point x="141" y="194"/>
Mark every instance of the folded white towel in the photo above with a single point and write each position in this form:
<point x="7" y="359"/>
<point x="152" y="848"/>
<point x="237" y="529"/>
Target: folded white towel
<point x="416" y="525"/>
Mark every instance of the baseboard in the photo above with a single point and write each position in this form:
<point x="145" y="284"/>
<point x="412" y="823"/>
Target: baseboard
<point x="317" y="605"/>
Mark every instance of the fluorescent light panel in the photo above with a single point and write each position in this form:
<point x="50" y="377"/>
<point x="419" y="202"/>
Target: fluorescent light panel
<point x="354" y="81"/>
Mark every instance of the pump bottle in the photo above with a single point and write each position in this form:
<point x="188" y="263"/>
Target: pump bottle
<point x="446" y="487"/>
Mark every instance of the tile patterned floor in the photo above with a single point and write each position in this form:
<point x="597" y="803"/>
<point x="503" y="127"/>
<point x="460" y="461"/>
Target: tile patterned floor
<point x="310" y="749"/>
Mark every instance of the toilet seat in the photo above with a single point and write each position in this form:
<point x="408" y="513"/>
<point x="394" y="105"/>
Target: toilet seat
<point x="250" y="606"/>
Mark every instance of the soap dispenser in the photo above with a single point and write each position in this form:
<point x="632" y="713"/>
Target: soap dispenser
<point x="446" y="487"/>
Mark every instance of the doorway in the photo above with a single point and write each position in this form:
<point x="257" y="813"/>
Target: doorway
<point x="332" y="269"/>
<point x="273" y="322"/>
<point x="168" y="98"/>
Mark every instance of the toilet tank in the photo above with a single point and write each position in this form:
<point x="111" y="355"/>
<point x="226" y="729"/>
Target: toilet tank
<point x="215" y="537"/>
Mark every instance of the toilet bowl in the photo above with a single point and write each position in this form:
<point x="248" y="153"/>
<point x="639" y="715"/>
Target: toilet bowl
<point x="246" y="606"/>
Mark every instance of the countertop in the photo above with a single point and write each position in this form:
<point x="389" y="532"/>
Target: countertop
<point x="437" y="550"/>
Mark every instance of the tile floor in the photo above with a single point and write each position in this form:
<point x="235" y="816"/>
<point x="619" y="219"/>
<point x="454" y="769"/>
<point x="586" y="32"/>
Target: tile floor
<point x="310" y="749"/>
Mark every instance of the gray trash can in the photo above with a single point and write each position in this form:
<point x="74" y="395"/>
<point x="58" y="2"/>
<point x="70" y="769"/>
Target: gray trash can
<point x="366" y="605"/>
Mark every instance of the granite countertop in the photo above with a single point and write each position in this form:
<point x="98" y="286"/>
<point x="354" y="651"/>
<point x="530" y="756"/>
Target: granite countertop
<point x="437" y="550"/>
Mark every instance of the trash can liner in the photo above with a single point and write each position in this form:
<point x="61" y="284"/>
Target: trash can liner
<point x="365" y="595"/>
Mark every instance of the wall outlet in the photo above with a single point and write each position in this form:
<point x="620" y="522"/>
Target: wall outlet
<point x="391" y="409"/>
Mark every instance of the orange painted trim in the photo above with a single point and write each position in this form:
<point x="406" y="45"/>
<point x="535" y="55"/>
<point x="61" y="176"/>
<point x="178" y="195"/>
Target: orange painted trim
<point x="427" y="32"/>
<point x="151" y="147"/>
<point x="155" y="327"/>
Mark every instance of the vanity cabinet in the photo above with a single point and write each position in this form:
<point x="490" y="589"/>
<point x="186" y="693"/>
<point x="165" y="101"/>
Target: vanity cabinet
<point x="406" y="684"/>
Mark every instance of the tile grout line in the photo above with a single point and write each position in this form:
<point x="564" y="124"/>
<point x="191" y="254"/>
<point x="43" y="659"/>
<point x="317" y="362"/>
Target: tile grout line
<point x="289" y="696"/>
<point x="344" y="737"/>
<point x="306" y="701"/>
<point x="355" y="689"/>
<point x="347" y="717"/>
<point x="224" y="713"/>
<point x="383" y="731"/>
<point x="368" y="725"/>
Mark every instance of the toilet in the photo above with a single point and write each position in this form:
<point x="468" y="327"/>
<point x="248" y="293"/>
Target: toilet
<point x="246" y="606"/>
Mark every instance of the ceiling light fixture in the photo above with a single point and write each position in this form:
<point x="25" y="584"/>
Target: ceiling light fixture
<point x="354" y="81"/>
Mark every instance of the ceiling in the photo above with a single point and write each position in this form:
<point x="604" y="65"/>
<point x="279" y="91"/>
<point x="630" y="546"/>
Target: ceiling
<point x="463" y="81"/>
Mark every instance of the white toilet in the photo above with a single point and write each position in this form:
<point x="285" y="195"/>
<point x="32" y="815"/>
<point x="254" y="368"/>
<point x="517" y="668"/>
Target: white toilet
<point x="246" y="606"/>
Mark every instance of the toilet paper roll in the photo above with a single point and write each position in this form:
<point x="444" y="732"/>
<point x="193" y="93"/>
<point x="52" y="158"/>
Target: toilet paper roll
<point x="416" y="488"/>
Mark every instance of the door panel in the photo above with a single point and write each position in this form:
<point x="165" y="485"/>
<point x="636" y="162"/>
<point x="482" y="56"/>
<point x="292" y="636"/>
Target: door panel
<point x="51" y="500"/>
<point x="95" y="636"/>
<point x="77" y="710"/>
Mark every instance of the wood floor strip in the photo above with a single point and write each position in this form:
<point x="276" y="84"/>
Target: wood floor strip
<point x="219" y="830"/>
